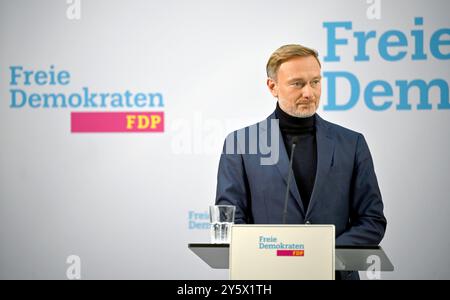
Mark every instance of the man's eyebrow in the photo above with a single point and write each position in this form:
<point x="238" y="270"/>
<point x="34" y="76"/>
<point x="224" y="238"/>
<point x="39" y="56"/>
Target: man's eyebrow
<point x="303" y="79"/>
<point x="297" y="79"/>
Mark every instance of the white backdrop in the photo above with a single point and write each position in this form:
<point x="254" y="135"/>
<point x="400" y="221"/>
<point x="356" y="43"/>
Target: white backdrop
<point x="127" y="204"/>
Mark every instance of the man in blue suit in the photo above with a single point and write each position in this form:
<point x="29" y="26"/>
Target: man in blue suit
<point x="334" y="178"/>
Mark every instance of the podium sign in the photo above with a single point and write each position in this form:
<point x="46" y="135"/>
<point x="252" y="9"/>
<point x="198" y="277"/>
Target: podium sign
<point x="292" y="252"/>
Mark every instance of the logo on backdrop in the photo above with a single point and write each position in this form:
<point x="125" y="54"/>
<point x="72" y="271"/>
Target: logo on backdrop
<point x="282" y="249"/>
<point x="392" y="46"/>
<point x="26" y="83"/>
<point x="198" y="220"/>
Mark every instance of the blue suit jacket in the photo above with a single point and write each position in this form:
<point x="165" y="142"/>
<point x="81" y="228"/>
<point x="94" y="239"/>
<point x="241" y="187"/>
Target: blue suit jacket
<point x="345" y="191"/>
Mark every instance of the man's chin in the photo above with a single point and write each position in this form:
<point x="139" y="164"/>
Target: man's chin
<point x="305" y="113"/>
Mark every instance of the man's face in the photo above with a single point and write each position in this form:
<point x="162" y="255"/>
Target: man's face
<point x="297" y="86"/>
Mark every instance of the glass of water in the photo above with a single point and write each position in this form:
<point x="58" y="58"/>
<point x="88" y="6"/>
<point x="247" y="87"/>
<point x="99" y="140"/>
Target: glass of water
<point x="221" y="218"/>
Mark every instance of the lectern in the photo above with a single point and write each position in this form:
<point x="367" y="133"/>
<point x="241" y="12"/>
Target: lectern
<point x="298" y="251"/>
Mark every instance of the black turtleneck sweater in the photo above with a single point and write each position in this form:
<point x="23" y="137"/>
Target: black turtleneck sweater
<point x="305" y="154"/>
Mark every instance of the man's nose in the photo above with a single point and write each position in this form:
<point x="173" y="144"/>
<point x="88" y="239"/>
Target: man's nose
<point x="307" y="91"/>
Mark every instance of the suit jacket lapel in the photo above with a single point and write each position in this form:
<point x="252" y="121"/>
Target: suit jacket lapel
<point x="283" y="160"/>
<point x="325" y="153"/>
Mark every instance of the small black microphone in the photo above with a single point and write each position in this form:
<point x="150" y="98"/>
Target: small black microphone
<point x="294" y="143"/>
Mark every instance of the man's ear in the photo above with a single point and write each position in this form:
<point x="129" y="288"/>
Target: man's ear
<point x="273" y="87"/>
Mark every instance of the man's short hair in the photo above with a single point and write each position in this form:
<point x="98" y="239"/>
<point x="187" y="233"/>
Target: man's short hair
<point x="285" y="53"/>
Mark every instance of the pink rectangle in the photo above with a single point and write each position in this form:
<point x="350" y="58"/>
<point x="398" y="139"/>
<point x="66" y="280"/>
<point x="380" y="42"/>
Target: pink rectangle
<point x="290" y="252"/>
<point x="117" y="122"/>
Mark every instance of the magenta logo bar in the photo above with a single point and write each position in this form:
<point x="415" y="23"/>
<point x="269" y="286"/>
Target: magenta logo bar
<point x="117" y="122"/>
<point x="290" y="252"/>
